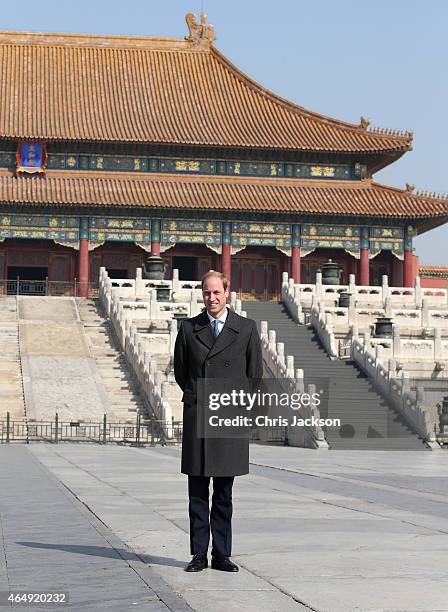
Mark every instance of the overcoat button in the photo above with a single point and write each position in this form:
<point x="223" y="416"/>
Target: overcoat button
<point x="226" y="363"/>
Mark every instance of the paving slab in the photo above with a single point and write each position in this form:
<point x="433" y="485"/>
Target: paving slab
<point x="329" y="531"/>
<point x="49" y="541"/>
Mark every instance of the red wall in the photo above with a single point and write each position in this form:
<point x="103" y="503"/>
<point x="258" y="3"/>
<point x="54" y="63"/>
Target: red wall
<point x="435" y="282"/>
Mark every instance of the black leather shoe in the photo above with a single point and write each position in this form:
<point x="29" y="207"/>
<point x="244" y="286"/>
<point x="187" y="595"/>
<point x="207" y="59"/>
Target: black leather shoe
<point x="197" y="564"/>
<point x="224" y="565"/>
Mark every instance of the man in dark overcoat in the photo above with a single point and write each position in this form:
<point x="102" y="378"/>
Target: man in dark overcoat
<point x="216" y="344"/>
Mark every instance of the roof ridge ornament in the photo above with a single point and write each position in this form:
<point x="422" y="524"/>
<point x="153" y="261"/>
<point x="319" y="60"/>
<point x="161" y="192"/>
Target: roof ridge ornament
<point x="364" y="123"/>
<point x="388" y="131"/>
<point x="431" y="194"/>
<point x="201" y="33"/>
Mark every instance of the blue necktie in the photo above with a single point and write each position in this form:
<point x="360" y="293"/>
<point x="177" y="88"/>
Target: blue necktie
<point x="216" y="327"/>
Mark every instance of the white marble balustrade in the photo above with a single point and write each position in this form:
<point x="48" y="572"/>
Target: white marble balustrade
<point x="147" y="330"/>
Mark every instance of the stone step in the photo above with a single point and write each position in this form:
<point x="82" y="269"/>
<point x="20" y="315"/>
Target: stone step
<point x="11" y="400"/>
<point x="125" y="396"/>
<point x="121" y="396"/>
<point x="112" y="366"/>
<point x="134" y="402"/>
<point x="12" y="386"/>
<point x="9" y="367"/>
<point x="355" y="400"/>
<point x="113" y="373"/>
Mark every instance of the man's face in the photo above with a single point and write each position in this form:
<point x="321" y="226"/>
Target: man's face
<point x="214" y="296"/>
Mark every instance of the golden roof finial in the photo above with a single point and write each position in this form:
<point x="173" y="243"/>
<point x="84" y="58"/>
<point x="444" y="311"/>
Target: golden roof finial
<point x="201" y="33"/>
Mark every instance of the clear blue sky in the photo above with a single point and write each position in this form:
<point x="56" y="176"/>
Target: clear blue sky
<point x="386" y="60"/>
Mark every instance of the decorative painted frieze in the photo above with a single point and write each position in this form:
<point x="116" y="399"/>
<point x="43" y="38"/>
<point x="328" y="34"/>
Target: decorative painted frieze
<point x="296" y="235"/>
<point x="7" y="160"/>
<point x="261" y="234"/>
<point x="309" y="236"/>
<point x="190" y="232"/>
<point x="120" y="229"/>
<point x="409" y="234"/>
<point x="386" y="239"/>
<point x="331" y="236"/>
<point x="138" y="164"/>
<point x="45" y="227"/>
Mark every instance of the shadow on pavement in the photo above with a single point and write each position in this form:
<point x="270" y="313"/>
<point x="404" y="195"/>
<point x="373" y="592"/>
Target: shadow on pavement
<point x="103" y="551"/>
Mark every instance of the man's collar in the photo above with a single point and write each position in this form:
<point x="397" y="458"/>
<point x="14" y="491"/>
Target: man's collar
<point x="222" y="318"/>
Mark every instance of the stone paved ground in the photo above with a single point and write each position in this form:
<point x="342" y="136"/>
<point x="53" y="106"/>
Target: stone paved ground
<point x="328" y="531"/>
<point x="49" y="541"/>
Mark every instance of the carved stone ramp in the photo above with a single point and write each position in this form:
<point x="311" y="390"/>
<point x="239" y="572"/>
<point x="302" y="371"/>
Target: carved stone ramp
<point x="367" y="421"/>
<point x="59" y="372"/>
<point x="11" y="389"/>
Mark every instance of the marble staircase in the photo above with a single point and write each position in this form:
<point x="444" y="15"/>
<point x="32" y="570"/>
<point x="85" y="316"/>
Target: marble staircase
<point x="125" y="400"/>
<point x="11" y="388"/>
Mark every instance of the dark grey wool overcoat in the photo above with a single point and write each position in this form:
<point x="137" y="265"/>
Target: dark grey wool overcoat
<point x="235" y="353"/>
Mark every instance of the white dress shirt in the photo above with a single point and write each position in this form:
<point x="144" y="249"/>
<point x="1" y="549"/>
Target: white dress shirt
<point x="221" y="320"/>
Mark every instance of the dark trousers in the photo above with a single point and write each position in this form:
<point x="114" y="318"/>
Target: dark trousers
<point x="219" y="519"/>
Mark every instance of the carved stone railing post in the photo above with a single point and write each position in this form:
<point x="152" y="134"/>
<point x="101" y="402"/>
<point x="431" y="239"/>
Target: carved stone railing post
<point x="300" y="386"/>
<point x="438" y="346"/>
<point x="272" y="340"/>
<point x="290" y="366"/>
<point x="352" y="310"/>
<point x="319" y="286"/>
<point x="385" y="287"/>
<point x="139" y="286"/>
<point x="425" y="312"/>
<point x="263" y="330"/>
<point x="366" y="341"/>
<point x="418" y="292"/>
<point x="352" y="284"/>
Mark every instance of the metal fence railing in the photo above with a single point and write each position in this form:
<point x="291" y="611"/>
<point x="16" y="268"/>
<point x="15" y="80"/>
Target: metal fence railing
<point x="46" y="288"/>
<point x="151" y="432"/>
<point x="270" y="435"/>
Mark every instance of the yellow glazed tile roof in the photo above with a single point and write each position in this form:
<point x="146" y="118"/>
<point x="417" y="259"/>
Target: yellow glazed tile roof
<point x="148" y="90"/>
<point x="156" y="191"/>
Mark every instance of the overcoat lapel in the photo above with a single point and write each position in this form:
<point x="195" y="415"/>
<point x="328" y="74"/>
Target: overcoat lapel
<point x="228" y="334"/>
<point x="203" y="330"/>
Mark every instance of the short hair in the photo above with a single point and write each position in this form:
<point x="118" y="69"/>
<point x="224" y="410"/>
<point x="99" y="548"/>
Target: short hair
<point x="210" y="274"/>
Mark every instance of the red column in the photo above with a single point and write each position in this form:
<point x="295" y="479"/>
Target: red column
<point x="155" y="237"/>
<point x="364" y="275"/>
<point x="295" y="263"/>
<point x="397" y="272"/>
<point x="408" y="269"/>
<point x="83" y="268"/>
<point x="83" y="258"/>
<point x="226" y="253"/>
<point x="226" y="261"/>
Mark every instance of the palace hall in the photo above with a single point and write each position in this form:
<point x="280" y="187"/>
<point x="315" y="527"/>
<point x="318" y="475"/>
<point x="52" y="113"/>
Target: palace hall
<point x="116" y="147"/>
